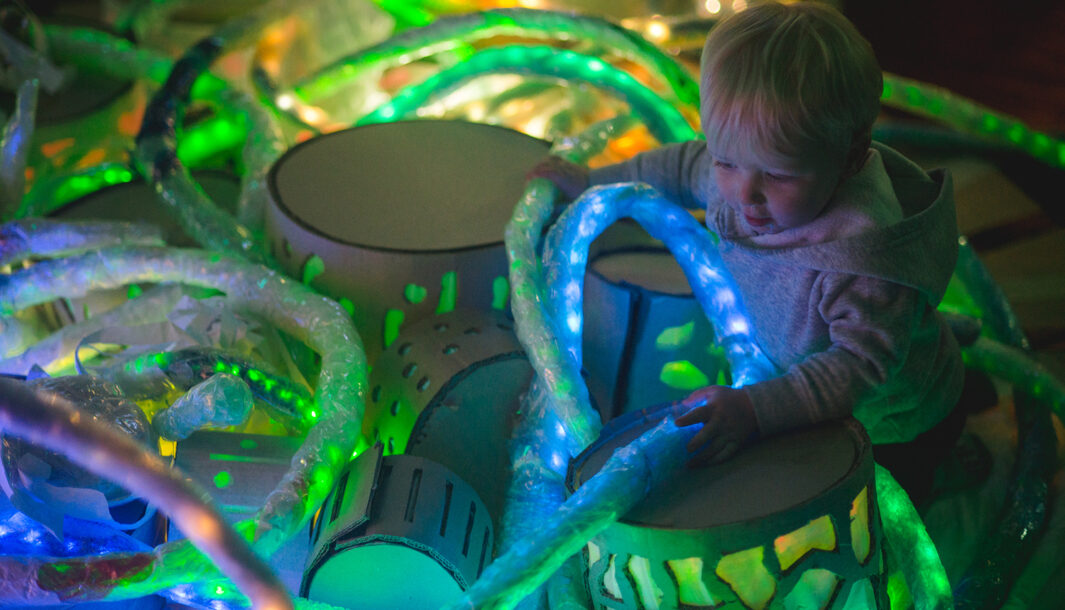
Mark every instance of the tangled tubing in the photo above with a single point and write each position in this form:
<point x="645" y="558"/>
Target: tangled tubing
<point x="73" y="260"/>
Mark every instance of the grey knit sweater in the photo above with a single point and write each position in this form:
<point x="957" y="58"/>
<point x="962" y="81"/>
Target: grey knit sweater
<point x="844" y="306"/>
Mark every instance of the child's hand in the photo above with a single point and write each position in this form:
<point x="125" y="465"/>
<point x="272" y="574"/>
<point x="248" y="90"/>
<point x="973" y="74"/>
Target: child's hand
<point x="570" y="178"/>
<point x="728" y="422"/>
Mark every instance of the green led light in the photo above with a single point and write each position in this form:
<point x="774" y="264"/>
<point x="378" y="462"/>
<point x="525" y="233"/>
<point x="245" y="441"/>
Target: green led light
<point x="414" y="293"/>
<point x="683" y="375"/>
<point x="133" y="291"/>
<point x="312" y="268"/>
<point x="255" y="375"/>
<point x="222" y="479"/>
<point x="448" y="292"/>
<point x="500" y="292"/>
<point x="347" y="305"/>
<point x="393" y="320"/>
<point x="675" y="337"/>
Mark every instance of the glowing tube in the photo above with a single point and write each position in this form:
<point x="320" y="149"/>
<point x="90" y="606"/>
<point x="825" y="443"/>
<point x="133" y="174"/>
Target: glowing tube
<point x="152" y="375"/>
<point x="51" y="352"/>
<point x="995" y="310"/>
<point x="316" y="320"/>
<point x="662" y="118"/>
<point x="566" y="256"/>
<point x="451" y="32"/>
<point x="911" y="550"/>
<point x="1017" y="367"/>
<point x="156" y="150"/>
<point x="41" y="237"/>
<point x="15" y="145"/>
<point x="625" y="479"/>
<point x="51" y="421"/>
<point x="967" y="116"/>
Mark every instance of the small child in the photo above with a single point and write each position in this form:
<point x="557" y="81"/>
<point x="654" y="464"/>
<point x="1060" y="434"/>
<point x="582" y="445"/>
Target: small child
<point x="841" y="247"/>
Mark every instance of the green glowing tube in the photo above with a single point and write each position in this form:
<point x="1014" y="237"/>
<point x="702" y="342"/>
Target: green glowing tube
<point x="911" y="550"/>
<point x="662" y="118"/>
<point x="156" y="151"/>
<point x="1017" y="367"/>
<point x="14" y="147"/>
<point x="533" y="323"/>
<point x="316" y="320"/>
<point x="970" y="117"/>
<point x="449" y="33"/>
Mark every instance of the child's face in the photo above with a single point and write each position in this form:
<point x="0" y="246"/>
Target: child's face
<point x="779" y="192"/>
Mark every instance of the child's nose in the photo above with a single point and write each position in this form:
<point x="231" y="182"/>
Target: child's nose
<point x="751" y="191"/>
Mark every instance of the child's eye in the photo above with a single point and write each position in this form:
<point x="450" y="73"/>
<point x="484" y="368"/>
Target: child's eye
<point x="778" y="177"/>
<point x="724" y="165"/>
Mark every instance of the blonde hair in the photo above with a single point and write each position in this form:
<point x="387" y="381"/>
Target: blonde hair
<point x="777" y="79"/>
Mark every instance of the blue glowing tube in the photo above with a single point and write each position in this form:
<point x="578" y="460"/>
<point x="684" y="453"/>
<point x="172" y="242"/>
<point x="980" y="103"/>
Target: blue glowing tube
<point x="50" y="421"/>
<point x="625" y="479"/>
<point x="43" y="238"/>
<point x="15" y="145"/>
<point x="566" y="256"/>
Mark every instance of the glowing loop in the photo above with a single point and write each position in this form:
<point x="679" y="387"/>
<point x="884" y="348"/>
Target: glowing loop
<point x="690" y="243"/>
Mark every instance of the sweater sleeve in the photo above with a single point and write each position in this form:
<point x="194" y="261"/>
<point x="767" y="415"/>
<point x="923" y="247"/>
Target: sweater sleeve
<point x="871" y="324"/>
<point x="681" y="172"/>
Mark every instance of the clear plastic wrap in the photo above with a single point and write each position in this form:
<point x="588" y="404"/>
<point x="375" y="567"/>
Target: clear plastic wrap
<point x="43" y="238"/>
<point x="316" y="320"/>
<point x="222" y="400"/>
<point x="15" y="145"/>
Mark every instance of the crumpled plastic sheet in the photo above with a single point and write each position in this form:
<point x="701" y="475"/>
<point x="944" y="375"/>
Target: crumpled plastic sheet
<point x="451" y="31"/>
<point x="222" y="400"/>
<point x="40" y="237"/>
<point x="51" y="421"/>
<point x="15" y="146"/>
<point x="153" y="375"/>
<point x="662" y="118"/>
<point x="316" y="320"/>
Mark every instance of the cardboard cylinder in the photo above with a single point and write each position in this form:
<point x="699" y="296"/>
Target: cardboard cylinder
<point x="404" y="217"/>
<point x="441" y="374"/>
<point x="646" y="340"/>
<point x="791" y="520"/>
<point x="398" y="531"/>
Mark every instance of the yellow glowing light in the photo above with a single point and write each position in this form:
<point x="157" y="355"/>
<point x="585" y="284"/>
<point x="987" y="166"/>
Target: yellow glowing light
<point x="657" y="31"/>
<point x="860" y="526"/>
<point x="713" y="7"/>
<point x="817" y="534"/>
<point x="310" y="115"/>
<point x="745" y="572"/>
<point x="285" y="101"/>
<point x="646" y="588"/>
<point x="691" y="590"/>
